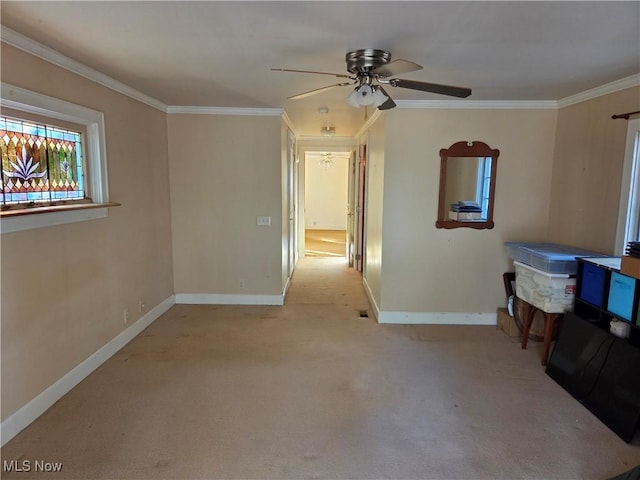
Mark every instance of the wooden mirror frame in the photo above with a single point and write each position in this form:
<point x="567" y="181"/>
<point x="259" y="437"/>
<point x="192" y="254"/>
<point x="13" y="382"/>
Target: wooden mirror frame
<point x="466" y="149"/>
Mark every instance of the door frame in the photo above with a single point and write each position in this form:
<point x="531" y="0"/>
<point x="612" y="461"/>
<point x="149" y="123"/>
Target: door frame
<point x="360" y="216"/>
<point x="291" y="186"/>
<point x="351" y="210"/>
<point x="309" y="145"/>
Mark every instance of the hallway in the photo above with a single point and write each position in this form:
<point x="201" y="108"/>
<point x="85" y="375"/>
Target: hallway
<point x="312" y="390"/>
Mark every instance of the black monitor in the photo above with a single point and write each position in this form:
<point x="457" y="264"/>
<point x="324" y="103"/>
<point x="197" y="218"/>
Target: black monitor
<point x="600" y="371"/>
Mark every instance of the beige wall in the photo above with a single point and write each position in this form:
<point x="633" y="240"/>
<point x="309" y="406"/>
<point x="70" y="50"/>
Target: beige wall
<point x="226" y="171"/>
<point x="425" y="269"/>
<point x="587" y="171"/>
<point x="64" y="288"/>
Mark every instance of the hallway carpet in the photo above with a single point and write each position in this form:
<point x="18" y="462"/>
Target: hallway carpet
<point x="311" y="390"/>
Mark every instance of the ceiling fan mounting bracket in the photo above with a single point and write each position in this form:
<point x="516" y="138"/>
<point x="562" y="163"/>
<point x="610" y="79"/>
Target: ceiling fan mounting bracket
<point x="366" y="60"/>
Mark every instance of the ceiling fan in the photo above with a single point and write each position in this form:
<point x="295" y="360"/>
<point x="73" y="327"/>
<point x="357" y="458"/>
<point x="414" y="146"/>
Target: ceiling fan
<point x="370" y="69"/>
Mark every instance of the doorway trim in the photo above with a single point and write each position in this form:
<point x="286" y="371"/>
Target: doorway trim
<point x="314" y="144"/>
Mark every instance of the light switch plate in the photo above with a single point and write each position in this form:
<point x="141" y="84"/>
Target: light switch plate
<point x="264" y="221"/>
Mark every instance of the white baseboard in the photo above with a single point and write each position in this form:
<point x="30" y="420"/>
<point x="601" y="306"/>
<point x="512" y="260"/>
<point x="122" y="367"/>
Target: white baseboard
<point x="15" y="423"/>
<point x="286" y="288"/>
<point x="428" y="318"/>
<point x="437" y="318"/>
<point x="372" y="301"/>
<point x="228" y="299"/>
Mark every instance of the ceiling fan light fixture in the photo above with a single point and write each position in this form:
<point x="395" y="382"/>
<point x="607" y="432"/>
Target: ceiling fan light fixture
<point x="371" y="67"/>
<point x="326" y="160"/>
<point x="378" y="97"/>
<point x="366" y="95"/>
<point x="327" y="131"/>
<point x="352" y="99"/>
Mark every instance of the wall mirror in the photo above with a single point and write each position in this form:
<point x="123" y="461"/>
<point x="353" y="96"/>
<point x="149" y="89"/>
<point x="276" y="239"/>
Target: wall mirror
<point x="467" y="185"/>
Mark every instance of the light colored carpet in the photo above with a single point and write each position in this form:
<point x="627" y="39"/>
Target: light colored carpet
<point x="325" y="243"/>
<point x="312" y="391"/>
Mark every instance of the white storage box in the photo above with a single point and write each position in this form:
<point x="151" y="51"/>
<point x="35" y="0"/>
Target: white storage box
<point x="550" y="292"/>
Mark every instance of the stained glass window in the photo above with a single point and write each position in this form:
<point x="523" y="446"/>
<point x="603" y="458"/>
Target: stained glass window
<point x="41" y="164"/>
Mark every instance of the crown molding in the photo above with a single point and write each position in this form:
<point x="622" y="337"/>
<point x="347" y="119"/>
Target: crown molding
<point x="622" y="84"/>
<point x="612" y="87"/>
<point x="256" y="112"/>
<point x="320" y="139"/>
<point x="370" y="121"/>
<point x="289" y="124"/>
<point x="21" y="42"/>
<point x="480" y="104"/>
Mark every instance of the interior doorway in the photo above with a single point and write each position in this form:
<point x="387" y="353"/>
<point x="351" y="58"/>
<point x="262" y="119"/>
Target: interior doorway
<point x="326" y="212"/>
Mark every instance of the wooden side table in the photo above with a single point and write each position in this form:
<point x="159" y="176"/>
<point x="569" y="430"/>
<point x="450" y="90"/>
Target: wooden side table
<point x="550" y="322"/>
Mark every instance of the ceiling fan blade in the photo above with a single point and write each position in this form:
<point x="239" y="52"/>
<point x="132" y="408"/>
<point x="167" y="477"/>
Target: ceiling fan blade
<point x="319" y="90"/>
<point x="388" y="104"/>
<point x="339" y="75"/>
<point x="397" y="67"/>
<point x="431" y="87"/>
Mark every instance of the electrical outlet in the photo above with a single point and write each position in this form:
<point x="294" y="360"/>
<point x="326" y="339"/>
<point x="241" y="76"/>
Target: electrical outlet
<point x="141" y="306"/>
<point x="241" y="283"/>
<point x="125" y="315"/>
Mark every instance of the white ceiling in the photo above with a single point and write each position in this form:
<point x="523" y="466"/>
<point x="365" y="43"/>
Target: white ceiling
<point x="220" y="53"/>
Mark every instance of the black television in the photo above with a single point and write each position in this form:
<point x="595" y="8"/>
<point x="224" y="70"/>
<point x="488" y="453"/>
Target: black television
<point x="599" y="370"/>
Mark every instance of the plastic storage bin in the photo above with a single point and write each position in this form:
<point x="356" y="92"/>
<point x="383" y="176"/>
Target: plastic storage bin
<point x="548" y="257"/>
<point x="621" y="295"/>
<point x="592" y="286"/>
<point x="550" y="292"/>
<point x="521" y="252"/>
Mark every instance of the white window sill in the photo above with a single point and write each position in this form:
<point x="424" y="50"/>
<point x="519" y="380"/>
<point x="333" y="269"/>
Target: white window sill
<point x="37" y="217"/>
